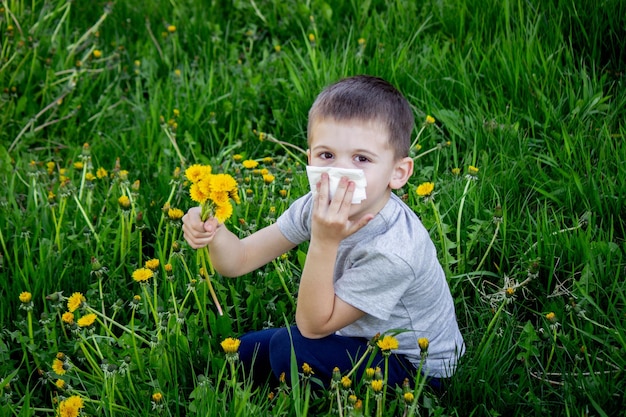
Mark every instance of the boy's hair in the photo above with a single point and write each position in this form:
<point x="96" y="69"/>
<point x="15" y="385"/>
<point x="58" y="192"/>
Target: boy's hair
<point x="369" y="99"/>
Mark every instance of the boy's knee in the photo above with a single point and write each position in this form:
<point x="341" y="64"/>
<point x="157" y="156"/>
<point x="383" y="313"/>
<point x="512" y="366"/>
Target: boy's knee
<point x="280" y="350"/>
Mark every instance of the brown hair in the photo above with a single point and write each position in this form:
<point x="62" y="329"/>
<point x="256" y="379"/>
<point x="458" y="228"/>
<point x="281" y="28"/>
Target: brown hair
<point x="368" y="99"/>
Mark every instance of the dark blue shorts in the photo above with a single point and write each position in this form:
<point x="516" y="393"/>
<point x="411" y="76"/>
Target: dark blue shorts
<point x="265" y="354"/>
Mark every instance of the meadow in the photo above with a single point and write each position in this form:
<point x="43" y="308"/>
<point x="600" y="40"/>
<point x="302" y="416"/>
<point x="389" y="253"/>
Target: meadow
<point x="520" y="109"/>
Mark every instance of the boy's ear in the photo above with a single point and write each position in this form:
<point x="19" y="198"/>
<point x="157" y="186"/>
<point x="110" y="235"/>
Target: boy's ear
<point x="308" y="156"/>
<point x="401" y="173"/>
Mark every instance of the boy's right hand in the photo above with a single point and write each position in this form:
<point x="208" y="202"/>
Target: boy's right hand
<point x="196" y="232"/>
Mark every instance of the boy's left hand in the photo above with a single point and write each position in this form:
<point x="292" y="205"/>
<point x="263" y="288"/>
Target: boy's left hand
<point x="331" y="218"/>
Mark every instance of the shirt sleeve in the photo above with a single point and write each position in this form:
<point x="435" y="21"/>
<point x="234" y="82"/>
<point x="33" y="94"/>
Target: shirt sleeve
<point x="295" y="222"/>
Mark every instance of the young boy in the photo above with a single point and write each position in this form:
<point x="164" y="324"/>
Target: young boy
<point x="370" y="268"/>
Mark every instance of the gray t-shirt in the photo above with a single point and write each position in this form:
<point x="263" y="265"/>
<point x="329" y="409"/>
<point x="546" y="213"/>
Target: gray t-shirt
<point x="389" y="270"/>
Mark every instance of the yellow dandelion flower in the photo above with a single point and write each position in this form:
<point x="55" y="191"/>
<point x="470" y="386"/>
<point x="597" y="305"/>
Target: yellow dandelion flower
<point x="223" y="212"/>
<point x="97" y="53"/>
<point x="122" y="174"/>
<point x="219" y="197"/>
<point x="142" y="274"/>
<point x="157" y="397"/>
<point x="425" y="189"/>
<point x="50" y="167"/>
<point x="408" y="397"/>
<point x="197" y="172"/>
<point x="177" y="72"/>
<point x="250" y="164"/>
<point x="423" y="343"/>
<point x="237" y="157"/>
<point x="472" y="170"/>
<point x="234" y="195"/>
<point x="75" y="301"/>
<point x="78" y="165"/>
<point x="361" y="41"/>
<point x="171" y="28"/>
<point x="101" y="173"/>
<point x="60" y="384"/>
<point x="283" y="193"/>
<point x="68" y="317"/>
<point x="306" y="369"/>
<point x="456" y="171"/>
<point x="168" y="268"/>
<point x="206" y="185"/>
<point x="311" y="37"/>
<point x="268" y="160"/>
<point x="377" y="385"/>
<point x="124" y="202"/>
<point x="197" y="194"/>
<point x="369" y="373"/>
<point x="551" y="317"/>
<point x="387" y="343"/>
<point x="26" y="297"/>
<point x="346" y="382"/>
<point x="152" y="264"/>
<point x="57" y="366"/>
<point x="86" y="320"/>
<point x="268" y="178"/>
<point x="223" y="182"/>
<point x="430" y="120"/>
<point x="89" y="176"/>
<point x="230" y="345"/>
<point x="51" y="195"/>
<point x="277" y="48"/>
<point x="175" y="214"/>
<point x="71" y="407"/>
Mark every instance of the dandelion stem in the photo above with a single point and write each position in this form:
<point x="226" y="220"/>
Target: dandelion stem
<point x="442" y="238"/>
<point x="72" y="48"/>
<point x="82" y="181"/>
<point x="458" y="220"/>
<point x="130" y="331"/>
<point x="488" y="332"/>
<point x="205" y="259"/>
<point x="360" y="361"/>
<point x="175" y="145"/>
<point x="493" y="239"/>
<point x="151" y="305"/>
<point x="31" y="335"/>
<point x="551" y="350"/>
<point x="82" y="210"/>
<point x="385" y="380"/>
<point x="279" y="270"/>
<point x="286" y="146"/>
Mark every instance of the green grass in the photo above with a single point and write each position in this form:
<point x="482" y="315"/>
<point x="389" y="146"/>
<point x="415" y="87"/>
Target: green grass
<point x="530" y="93"/>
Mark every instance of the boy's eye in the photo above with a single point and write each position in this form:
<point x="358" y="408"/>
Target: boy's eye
<point x="326" y="155"/>
<point x="360" y="158"/>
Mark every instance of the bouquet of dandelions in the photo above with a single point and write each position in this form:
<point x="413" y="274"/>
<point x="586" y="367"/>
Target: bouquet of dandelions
<point x="214" y="193"/>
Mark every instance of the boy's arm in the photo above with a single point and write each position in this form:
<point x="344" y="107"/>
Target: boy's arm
<point x="230" y="255"/>
<point x="319" y="311"/>
<point x="233" y="257"/>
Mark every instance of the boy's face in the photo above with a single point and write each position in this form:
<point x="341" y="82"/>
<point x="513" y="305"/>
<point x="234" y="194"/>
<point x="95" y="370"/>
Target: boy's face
<point x="360" y="145"/>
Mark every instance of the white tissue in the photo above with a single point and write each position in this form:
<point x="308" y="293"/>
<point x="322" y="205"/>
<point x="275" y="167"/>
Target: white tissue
<point x="335" y="174"/>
